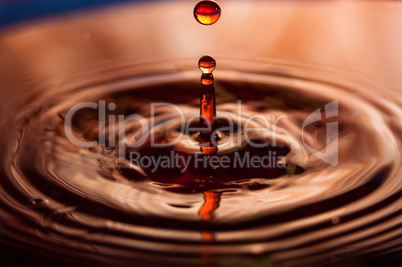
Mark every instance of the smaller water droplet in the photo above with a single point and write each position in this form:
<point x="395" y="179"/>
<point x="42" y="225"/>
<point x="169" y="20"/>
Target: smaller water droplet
<point x="207" y="79"/>
<point x="207" y="12"/>
<point x="335" y="220"/>
<point x="86" y="36"/>
<point x="38" y="202"/>
<point x="207" y="64"/>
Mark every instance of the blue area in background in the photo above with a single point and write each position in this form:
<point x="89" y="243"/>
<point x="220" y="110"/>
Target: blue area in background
<point x="14" y="11"/>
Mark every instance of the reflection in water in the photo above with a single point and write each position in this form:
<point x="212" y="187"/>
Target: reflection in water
<point x="89" y="205"/>
<point x="211" y="203"/>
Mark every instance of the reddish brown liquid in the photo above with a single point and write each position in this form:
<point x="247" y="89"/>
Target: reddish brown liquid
<point x="211" y="204"/>
<point x="207" y="12"/>
<point x="73" y="204"/>
<point x="207" y="105"/>
<point x="208" y="147"/>
<point x="207" y="64"/>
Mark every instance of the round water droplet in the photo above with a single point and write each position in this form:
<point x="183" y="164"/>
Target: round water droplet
<point x="207" y="64"/>
<point x="38" y="202"/>
<point x="207" y="79"/>
<point x="335" y="220"/>
<point x="86" y="36"/>
<point x="207" y="12"/>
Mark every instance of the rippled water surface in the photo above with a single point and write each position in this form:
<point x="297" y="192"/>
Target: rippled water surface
<point x="290" y="59"/>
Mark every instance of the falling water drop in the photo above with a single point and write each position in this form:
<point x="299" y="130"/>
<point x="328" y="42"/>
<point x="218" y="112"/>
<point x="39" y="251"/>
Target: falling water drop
<point x="207" y="12"/>
<point x="335" y="220"/>
<point x="207" y="64"/>
<point x="38" y="202"/>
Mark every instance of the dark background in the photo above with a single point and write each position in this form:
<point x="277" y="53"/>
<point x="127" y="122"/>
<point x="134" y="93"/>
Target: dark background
<point x="14" y="11"/>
